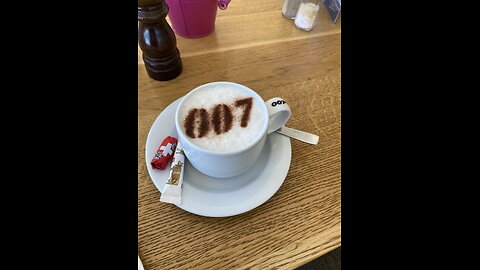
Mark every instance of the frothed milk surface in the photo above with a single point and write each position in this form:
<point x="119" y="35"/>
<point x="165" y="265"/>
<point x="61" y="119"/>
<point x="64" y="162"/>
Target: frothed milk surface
<point x="205" y="101"/>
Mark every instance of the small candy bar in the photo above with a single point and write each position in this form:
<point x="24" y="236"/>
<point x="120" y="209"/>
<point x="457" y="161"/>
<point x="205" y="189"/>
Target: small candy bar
<point x="164" y="153"/>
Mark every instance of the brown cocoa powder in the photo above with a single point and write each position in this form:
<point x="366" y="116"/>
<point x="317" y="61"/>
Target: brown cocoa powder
<point x="247" y="102"/>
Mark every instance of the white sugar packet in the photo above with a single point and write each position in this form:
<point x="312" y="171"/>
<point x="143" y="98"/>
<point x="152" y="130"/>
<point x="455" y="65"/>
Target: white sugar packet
<point x="172" y="192"/>
<point x="140" y="265"/>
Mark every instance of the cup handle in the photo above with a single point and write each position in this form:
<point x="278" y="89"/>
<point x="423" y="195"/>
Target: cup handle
<point x="279" y="112"/>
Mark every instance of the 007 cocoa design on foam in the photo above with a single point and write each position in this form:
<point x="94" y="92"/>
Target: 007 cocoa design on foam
<point x="247" y="102"/>
<point x="222" y="114"/>
<point x="220" y="118"/>
<point x="203" y="126"/>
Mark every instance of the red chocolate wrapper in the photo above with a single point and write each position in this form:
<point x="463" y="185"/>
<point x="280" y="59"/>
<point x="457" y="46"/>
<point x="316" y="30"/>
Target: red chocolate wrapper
<point x="164" y="153"/>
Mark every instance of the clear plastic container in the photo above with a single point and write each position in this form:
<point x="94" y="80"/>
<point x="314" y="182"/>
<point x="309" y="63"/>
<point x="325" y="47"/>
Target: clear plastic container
<point x="290" y="8"/>
<point x="307" y="13"/>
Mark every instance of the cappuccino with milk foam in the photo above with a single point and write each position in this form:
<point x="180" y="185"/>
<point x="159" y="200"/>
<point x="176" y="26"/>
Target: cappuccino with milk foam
<point x="222" y="118"/>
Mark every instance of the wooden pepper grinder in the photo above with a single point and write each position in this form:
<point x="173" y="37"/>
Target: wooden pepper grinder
<point x="157" y="41"/>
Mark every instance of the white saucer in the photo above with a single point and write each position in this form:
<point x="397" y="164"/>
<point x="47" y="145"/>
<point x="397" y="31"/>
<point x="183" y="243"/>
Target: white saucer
<point x="215" y="197"/>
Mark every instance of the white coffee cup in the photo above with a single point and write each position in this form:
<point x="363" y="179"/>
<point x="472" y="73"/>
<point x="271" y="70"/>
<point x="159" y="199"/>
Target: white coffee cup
<point x="224" y="164"/>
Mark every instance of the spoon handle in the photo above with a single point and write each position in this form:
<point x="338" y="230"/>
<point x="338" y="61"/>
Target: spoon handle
<point x="299" y="135"/>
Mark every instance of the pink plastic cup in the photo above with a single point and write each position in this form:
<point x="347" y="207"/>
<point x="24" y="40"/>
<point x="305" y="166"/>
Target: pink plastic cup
<point x="194" y="18"/>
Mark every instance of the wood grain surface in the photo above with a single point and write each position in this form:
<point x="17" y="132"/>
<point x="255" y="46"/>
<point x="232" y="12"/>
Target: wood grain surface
<point x="254" y="45"/>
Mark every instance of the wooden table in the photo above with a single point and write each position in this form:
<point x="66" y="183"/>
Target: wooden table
<point x="254" y="45"/>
